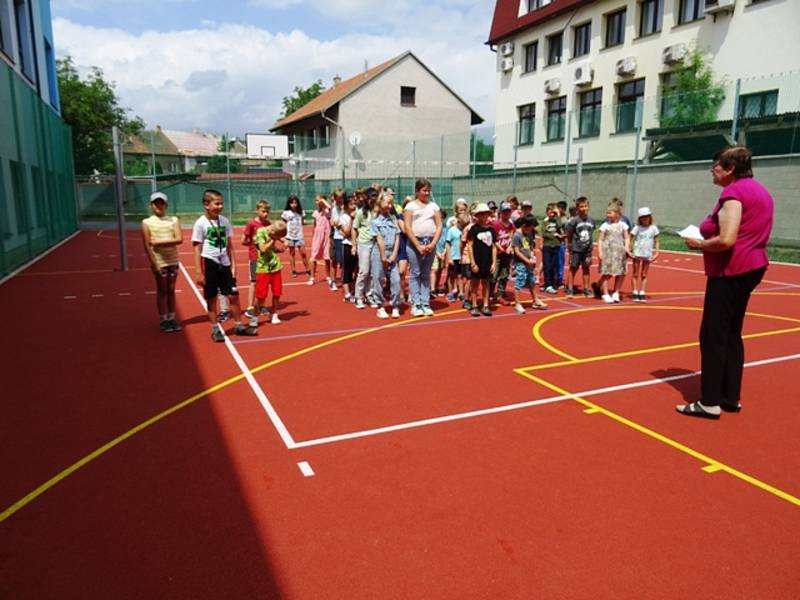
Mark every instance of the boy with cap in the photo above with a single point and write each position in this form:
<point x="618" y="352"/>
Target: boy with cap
<point x="161" y="235"/>
<point x="482" y="250"/>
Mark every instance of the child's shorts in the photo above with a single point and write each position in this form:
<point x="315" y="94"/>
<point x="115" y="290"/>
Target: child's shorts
<point x="402" y="251"/>
<point x="338" y="251"/>
<point x="524" y="276"/>
<point x="580" y="258"/>
<point x="265" y="281"/>
<point x="465" y="270"/>
<point x="253" y="264"/>
<point x="219" y="280"/>
<point x="295" y="243"/>
<point x="168" y="271"/>
<point x="483" y="273"/>
<point x="454" y="268"/>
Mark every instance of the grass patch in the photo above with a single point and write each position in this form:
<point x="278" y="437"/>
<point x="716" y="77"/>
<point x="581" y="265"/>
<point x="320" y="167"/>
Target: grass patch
<point x="671" y="241"/>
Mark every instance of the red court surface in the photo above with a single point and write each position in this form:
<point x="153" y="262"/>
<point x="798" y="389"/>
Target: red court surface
<point x="534" y="456"/>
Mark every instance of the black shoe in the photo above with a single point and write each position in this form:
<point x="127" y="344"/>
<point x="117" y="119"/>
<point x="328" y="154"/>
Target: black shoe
<point x="174" y="325"/>
<point x="486" y="311"/>
<point x="596" y="289"/>
<point x="731" y="408"/>
<point x="245" y="330"/>
<point x="165" y="325"/>
<point x="217" y="335"/>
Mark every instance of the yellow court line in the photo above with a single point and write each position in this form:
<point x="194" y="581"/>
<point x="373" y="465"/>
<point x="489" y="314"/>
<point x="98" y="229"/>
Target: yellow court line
<point x="28" y="498"/>
<point x="712" y="465"/>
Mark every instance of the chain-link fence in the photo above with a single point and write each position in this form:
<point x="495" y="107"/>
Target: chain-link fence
<point x="37" y="185"/>
<point x="597" y="142"/>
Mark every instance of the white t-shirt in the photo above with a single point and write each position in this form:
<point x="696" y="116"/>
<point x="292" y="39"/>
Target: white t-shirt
<point x="294" y="225"/>
<point x="644" y="240"/>
<point x="345" y="220"/>
<point x="214" y="236"/>
<point x="423" y="223"/>
<point x="336" y="215"/>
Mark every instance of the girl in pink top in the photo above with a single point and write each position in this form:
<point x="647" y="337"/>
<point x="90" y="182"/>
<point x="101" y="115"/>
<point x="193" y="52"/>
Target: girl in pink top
<point x="320" y="243"/>
<point x="734" y="242"/>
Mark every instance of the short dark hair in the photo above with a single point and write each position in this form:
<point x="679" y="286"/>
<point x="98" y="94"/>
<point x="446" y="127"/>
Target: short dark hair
<point x="527" y="220"/>
<point x="562" y="204"/>
<point x="581" y="200"/>
<point x="210" y="194"/>
<point x="738" y="157"/>
<point x="421" y="183"/>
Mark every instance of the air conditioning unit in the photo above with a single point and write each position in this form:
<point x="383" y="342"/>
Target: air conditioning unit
<point x="584" y="75"/>
<point x="552" y="86"/>
<point x="507" y="48"/>
<point x="674" y="54"/>
<point x="626" y="66"/>
<point x="715" y="6"/>
<point x="506" y="64"/>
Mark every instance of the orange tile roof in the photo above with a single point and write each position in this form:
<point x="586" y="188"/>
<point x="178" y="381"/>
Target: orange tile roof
<point x="333" y="95"/>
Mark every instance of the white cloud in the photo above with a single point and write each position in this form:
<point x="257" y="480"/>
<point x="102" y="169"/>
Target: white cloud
<point x="233" y="77"/>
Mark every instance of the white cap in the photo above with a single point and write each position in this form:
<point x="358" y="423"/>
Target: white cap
<point x="159" y="196"/>
<point x="482" y="207"/>
<point x="644" y="212"/>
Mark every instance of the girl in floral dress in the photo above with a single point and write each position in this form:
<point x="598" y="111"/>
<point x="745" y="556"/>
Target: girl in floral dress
<point x="320" y="243"/>
<point x="614" y="246"/>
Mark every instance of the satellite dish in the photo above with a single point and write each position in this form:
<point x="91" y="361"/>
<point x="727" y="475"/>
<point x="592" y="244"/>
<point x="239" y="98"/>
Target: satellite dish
<point x="355" y="138"/>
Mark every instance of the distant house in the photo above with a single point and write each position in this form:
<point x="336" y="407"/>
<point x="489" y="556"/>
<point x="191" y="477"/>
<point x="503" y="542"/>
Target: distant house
<point x="195" y="147"/>
<point x="149" y="144"/>
<point x="398" y="118"/>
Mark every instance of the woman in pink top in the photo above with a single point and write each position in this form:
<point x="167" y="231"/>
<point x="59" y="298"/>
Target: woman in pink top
<point x="734" y="243"/>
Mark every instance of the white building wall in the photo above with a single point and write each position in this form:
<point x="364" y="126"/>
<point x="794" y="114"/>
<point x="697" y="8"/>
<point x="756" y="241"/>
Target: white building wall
<point x="754" y="41"/>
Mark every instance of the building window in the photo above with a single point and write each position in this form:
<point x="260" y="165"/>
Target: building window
<point x="555" y="46"/>
<point x="527" y="118"/>
<point x="761" y="104"/>
<point x="650" y="15"/>
<point x="534" y="4"/>
<point x="324" y="136"/>
<point x="669" y="96"/>
<point x="628" y="96"/>
<point x="25" y="39"/>
<point x="690" y="10"/>
<point x="615" y="28"/>
<point x="589" y="118"/>
<point x="531" y="54"/>
<point x="5" y="29"/>
<point x="52" y="79"/>
<point x="408" y="96"/>
<point x="582" y="39"/>
<point x="556" y="118"/>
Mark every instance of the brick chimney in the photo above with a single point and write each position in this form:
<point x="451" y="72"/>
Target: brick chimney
<point x="337" y="80"/>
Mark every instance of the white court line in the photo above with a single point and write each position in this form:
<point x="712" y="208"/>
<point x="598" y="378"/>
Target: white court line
<point x="306" y="469"/>
<point x="98" y="295"/>
<point x="70" y="297"/>
<point x="519" y="405"/>
<point x="772" y="281"/>
<point x="262" y="397"/>
<point x="124" y="294"/>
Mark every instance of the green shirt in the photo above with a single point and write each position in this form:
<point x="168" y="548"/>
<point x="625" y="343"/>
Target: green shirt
<point x="362" y="225"/>
<point x="269" y="261"/>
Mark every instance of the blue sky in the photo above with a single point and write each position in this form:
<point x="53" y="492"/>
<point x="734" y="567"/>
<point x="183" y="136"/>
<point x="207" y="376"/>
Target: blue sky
<point x="225" y="66"/>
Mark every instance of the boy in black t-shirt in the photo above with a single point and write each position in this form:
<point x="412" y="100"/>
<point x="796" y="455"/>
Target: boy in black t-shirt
<point x="482" y="249"/>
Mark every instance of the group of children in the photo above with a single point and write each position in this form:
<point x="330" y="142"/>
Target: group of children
<point x="362" y="241"/>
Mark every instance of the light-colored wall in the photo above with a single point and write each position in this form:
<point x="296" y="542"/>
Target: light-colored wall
<point x="756" y="40"/>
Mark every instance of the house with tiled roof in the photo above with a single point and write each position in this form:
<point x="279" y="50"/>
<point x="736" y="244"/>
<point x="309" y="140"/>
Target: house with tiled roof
<point x="149" y="144"/>
<point x="398" y="116"/>
<point x="195" y="147"/>
<point x="600" y="74"/>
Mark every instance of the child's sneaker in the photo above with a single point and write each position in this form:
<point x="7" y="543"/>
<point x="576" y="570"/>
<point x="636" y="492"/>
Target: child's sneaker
<point x="588" y="294"/>
<point x="310" y="281"/>
<point x="642" y="297"/>
<point x="264" y="311"/>
<point x="250" y="312"/>
<point x="360" y="304"/>
<point x="519" y="309"/>
<point x="174" y="325"/>
<point x="165" y="325"/>
<point x="607" y="299"/>
<point x="550" y="289"/>
<point x="217" y="334"/>
<point x="427" y="311"/>
<point x="635" y="296"/>
<point x="223" y="316"/>
<point x="467" y="305"/>
<point x="451" y="297"/>
<point x="416" y="311"/>
<point x="475" y="312"/>
<point x="347" y="297"/>
<point x="615" y="296"/>
<point x="253" y="322"/>
<point x="568" y="293"/>
<point x="245" y="330"/>
<point x="275" y="320"/>
<point x="596" y="289"/>
<point x="539" y="305"/>
<point x="382" y="314"/>
<point x="333" y="286"/>
<point x="395" y="313"/>
<point x="486" y="311"/>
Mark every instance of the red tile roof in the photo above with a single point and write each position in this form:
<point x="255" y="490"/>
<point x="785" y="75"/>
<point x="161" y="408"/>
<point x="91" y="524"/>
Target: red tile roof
<point x="506" y="22"/>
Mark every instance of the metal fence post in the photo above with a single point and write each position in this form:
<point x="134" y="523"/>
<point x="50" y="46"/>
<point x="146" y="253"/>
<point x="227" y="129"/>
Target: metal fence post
<point x="153" y="181"/>
<point x="735" y="120"/>
<point x="638" y="117"/>
<point x="413" y="159"/>
<point x="566" y="157"/>
<point x="441" y="158"/>
<point x="579" y="173"/>
<point x="514" y="172"/>
<point x="120" y="187"/>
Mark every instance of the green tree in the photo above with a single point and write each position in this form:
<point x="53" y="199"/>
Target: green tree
<point x="141" y="167"/>
<point x="90" y="106"/>
<point x="480" y="151"/>
<point x="694" y="97"/>
<point x="219" y="162"/>
<point x="301" y="97"/>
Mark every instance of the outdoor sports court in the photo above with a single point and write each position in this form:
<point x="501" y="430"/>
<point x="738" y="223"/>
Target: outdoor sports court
<point x="340" y="456"/>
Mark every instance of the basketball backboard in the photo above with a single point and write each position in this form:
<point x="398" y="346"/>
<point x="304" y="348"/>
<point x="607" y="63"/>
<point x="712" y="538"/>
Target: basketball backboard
<point x="265" y="145"/>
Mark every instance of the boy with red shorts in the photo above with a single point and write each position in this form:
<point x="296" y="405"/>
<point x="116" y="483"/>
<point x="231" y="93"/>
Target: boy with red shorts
<point x="269" y="241"/>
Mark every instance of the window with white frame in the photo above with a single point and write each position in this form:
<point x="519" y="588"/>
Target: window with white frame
<point x="530" y="53"/>
<point x="525" y="125"/>
<point x="582" y="39"/>
<point x="759" y="104"/>
<point x="556" y="118"/>
<point x="629" y="97"/>
<point x="590" y="112"/>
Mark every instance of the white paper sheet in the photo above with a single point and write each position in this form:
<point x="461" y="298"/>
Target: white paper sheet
<point x="691" y="232"/>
